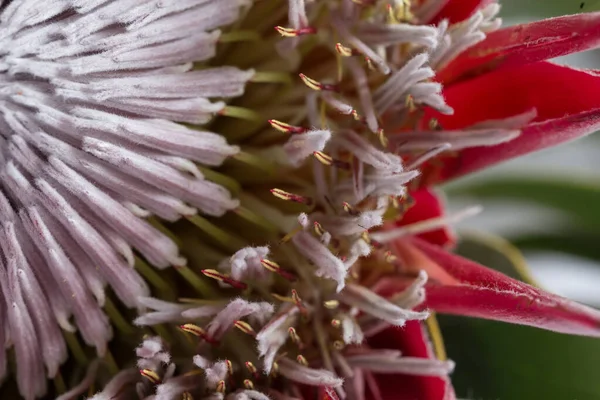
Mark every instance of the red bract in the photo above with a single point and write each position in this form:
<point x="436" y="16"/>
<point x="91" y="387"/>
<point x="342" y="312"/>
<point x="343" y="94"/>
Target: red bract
<point x="427" y="205"/>
<point x="511" y="80"/>
<point x="412" y="341"/>
<point x="567" y="102"/>
<point x="524" y="44"/>
<point x="503" y="76"/>
<point x="467" y="288"/>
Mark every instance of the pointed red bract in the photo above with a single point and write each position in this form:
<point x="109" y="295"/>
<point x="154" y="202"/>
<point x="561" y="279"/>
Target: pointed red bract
<point x="427" y="205"/>
<point x="412" y="341"/>
<point x="477" y="291"/>
<point x="567" y="103"/>
<point x="524" y="44"/>
<point x="459" y="10"/>
<point x="327" y="393"/>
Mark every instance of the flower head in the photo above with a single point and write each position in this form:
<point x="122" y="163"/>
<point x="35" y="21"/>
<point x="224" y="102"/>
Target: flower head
<point x="322" y="135"/>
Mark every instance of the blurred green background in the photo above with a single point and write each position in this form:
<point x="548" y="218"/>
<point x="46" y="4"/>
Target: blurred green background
<point x="548" y="205"/>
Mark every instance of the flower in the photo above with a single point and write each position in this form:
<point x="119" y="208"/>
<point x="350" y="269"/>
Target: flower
<point x="115" y="112"/>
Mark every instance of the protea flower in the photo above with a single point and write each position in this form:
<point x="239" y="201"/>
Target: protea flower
<point x="291" y="172"/>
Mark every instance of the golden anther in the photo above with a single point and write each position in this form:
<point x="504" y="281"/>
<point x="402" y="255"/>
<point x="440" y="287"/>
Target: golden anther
<point x="285" y="299"/>
<point x="365" y="236"/>
<point x="193" y="329"/>
<point x="150" y="375"/>
<point x="330" y="161"/>
<point x="294" y="336"/>
<point x="298" y="301"/>
<point x="270" y="265"/>
<point x="244" y="327"/>
<point x="214" y="274"/>
<point x="410" y="103"/>
<point x="221" y="387"/>
<point x="331" y="304"/>
<point x="283" y="195"/>
<point x="286" y="128"/>
<point x="433" y="124"/>
<point x="229" y="367"/>
<point x="275" y="369"/>
<point x="403" y="12"/>
<point x="349" y="209"/>
<point x="369" y="64"/>
<point x="395" y="202"/>
<point x="248" y="384"/>
<point x="343" y="50"/>
<point x="338" y="345"/>
<point x="187" y="396"/>
<point x="323" y="158"/>
<point x="274" y="267"/>
<point x="318" y="228"/>
<point x="302" y="360"/>
<point x="197" y="331"/>
<point x="251" y="367"/>
<point x="290" y="235"/>
<point x="382" y="138"/>
<point x="389" y="257"/>
<point x="316" y="85"/>
<point x="336" y="323"/>
<point x="391" y="14"/>
<point x="291" y="32"/>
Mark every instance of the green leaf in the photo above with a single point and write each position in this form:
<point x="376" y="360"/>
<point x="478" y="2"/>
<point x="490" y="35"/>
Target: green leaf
<point x="546" y="8"/>
<point x="494" y="252"/>
<point x="580" y="200"/>
<point x="497" y="361"/>
<point x="582" y="244"/>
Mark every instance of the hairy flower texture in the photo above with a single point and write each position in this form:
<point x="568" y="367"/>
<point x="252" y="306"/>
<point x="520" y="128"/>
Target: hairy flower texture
<point x="290" y="166"/>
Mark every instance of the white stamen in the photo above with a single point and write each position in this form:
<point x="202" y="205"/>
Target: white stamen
<point x="515" y="122"/>
<point x="426" y="225"/>
<point x="400" y="365"/>
<point x="349" y="225"/>
<point x="351" y="331"/>
<point x="299" y="147"/>
<point x="247" y="395"/>
<point x="428" y="155"/>
<point x="273" y="335"/>
<point x="116" y="384"/>
<point x="369" y="302"/>
<point x="328" y="265"/>
<point x="458" y="140"/>
<point x="394" y="34"/>
<point x="339" y="105"/>
<point x="359" y="248"/>
<point x="214" y="372"/>
<point x="173" y="388"/>
<point x="238" y="309"/>
<point x="361" y="84"/>
<point x="164" y="312"/>
<point x="308" y="376"/>
<point x="367" y="153"/>
<point x="408" y="81"/>
<point x="361" y="46"/>
<point x="459" y="37"/>
<point x="245" y="263"/>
